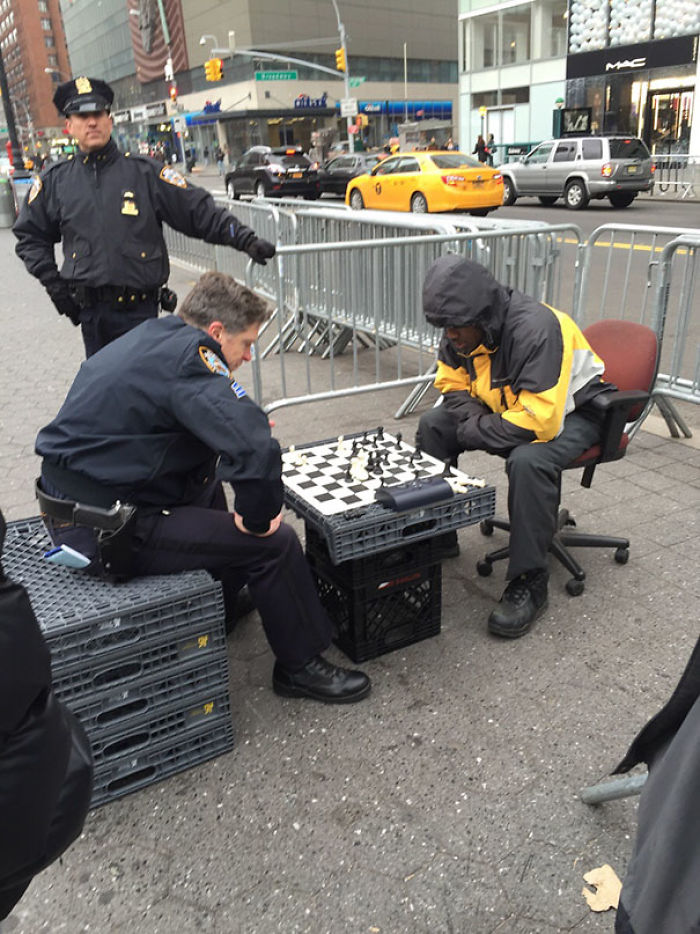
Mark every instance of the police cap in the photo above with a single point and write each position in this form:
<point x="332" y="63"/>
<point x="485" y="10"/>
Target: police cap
<point x="83" y="95"/>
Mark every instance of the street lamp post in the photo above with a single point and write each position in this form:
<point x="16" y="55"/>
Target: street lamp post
<point x="17" y="157"/>
<point x="346" y="73"/>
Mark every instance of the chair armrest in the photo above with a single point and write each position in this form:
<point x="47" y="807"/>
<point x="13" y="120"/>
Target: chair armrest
<point x="616" y="406"/>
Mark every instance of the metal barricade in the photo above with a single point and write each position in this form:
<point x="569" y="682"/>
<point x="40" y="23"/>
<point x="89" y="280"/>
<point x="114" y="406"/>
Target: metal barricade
<point x="648" y="274"/>
<point x="676" y="176"/>
<point x="366" y="294"/>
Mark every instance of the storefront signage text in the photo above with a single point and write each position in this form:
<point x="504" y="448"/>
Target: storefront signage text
<point x="303" y="102"/>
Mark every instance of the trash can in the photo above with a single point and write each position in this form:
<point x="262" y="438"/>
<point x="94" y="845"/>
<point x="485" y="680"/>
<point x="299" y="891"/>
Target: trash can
<point x="7" y="204"/>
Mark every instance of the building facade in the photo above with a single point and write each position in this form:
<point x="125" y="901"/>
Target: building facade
<point x="402" y="68"/>
<point x="34" y="54"/>
<point x="624" y="66"/>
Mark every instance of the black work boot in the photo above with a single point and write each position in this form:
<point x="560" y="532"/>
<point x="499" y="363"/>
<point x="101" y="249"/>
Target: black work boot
<point x="322" y="681"/>
<point x="523" y="601"/>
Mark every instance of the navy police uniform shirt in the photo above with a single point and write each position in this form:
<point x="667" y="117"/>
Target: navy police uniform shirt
<point x="150" y="415"/>
<point x="108" y="209"/>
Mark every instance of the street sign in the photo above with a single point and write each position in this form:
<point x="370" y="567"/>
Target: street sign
<point x="348" y="107"/>
<point x="356" y="82"/>
<point x="275" y="75"/>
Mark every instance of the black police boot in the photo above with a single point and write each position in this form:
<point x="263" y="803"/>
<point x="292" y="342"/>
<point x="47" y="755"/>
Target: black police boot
<point x="243" y="607"/>
<point x="523" y="601"/>
<point x="320" y="680"/>
<point x="448" y="546"/>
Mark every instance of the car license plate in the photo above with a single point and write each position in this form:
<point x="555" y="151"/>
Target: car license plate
<point x="297" y="174"/>
<point x="478" y="182"/>
<point x="631" y="169"/>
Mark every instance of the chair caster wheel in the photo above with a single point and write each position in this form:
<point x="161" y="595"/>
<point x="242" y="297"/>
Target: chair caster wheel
<point x="486" y="528"/>
<point x="622" y="555"/>
<point x="574" y="587"/>
<point x="484" y="568"/>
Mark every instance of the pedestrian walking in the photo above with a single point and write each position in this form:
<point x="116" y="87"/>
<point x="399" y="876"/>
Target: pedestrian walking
<point x="108" y="209"/>
<point x="480" y="149"/>
<point x="491" y="148"/>
<point x="220" y="160"/>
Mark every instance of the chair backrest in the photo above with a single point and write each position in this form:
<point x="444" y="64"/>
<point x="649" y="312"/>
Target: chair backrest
<point x="629" y="351"/>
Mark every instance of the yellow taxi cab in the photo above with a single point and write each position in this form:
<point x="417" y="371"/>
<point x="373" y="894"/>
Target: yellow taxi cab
<point x="425" y="182"/>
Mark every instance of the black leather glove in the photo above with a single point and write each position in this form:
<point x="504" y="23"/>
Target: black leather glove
<point x="260" y="251"/>
<point x="63" y="300"/>
<point x="244" y="239"/>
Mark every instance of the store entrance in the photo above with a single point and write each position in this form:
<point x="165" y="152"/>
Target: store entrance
<point x="669" y="118"/>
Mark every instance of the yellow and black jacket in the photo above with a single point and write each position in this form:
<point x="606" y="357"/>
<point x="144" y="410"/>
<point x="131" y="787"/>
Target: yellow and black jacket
<point x="533" y="367"/>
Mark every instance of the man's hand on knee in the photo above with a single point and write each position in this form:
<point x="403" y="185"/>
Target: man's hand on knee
<point x="274" y="525"/>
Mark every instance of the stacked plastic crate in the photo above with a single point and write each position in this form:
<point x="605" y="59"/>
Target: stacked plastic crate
<point x="142" y="664"/>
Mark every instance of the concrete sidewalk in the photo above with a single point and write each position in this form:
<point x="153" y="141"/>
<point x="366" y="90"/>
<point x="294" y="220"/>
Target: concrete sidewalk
<point x="447" y="801"/>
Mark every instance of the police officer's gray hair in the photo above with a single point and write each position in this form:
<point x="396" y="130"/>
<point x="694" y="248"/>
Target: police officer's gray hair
<point x="218" y="297"/>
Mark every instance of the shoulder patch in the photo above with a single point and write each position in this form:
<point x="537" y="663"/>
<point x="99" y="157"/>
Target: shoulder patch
<point x="213" y="362"/>
<point x="237" y="388"/>
<point x="37" y="185"/>
<point x="172" y="177"/>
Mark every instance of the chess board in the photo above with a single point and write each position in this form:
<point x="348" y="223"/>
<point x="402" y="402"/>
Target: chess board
<point x="322" y="474"/>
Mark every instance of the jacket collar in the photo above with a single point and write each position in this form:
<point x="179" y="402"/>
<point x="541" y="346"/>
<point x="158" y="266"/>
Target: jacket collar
<point x="100" y="157"/>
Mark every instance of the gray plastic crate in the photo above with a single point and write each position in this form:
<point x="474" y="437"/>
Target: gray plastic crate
<point x="110" y="711"/>
<point x="131" y="666"/>
<point x="375" y="527"/>
<point x="82" y="616"/>
<point x="190" y="712"/>
<point x="131" y="772"/>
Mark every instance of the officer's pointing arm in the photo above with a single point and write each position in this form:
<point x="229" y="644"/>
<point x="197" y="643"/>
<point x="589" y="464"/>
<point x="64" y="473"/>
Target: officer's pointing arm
<point x="193" y="211"/>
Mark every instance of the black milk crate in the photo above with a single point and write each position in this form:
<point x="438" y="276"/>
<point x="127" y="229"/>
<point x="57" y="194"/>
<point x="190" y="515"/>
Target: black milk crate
<point x="114" y="710"/>
<point x="131" y="666"/>
<point x="374" y="528"/>
<point x="377" y="611"/>
<point x="193" y="711"/>
<point x="131" y="772"/>
<point x="86" y="618"/>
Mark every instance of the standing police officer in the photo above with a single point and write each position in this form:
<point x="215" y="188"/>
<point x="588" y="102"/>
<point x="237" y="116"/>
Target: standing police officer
<point x="108" y="210"/>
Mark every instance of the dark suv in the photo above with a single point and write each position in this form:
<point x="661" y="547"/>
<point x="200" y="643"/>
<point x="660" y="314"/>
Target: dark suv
<point x="579" y="168"/>
<point x="273" y="173"/>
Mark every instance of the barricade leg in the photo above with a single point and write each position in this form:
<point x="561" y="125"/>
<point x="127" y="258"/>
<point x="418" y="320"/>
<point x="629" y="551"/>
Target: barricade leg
<point x="617" y="788"/>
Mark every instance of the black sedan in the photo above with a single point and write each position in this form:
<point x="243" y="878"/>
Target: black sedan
<point x="336" y="173"/>
<point x="267" y="172"/>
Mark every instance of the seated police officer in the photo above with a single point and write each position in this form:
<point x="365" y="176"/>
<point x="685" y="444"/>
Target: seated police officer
<point x="156" y="421"/>
<point x="517" y="379"/>
<point x="108" y="210"/>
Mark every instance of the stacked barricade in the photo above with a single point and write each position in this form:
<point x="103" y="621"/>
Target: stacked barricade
<point x="143" y="665"/>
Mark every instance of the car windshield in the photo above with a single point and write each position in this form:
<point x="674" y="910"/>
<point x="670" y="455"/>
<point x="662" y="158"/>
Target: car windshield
<point x="287" y="161"/>
<point x="456" y="160"/>
<point x="628" y="149"/>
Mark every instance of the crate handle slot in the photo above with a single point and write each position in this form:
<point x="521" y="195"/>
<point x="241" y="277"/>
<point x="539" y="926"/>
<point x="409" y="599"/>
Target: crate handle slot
<point x="126" y="744"/>
<point x="115" y="637"/>
<point x="123" y="710"/>
<point x="142" y="777"/>
<point x="120" y="673"/>
<point x="418" y="528"/>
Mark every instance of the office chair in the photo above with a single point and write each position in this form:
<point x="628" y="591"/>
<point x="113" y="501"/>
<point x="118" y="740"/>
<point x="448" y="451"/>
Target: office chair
<point x="630" y="353"/>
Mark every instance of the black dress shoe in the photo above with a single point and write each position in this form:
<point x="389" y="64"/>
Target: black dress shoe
<point x="523" y="601"/>
<point x="320" y="680"/>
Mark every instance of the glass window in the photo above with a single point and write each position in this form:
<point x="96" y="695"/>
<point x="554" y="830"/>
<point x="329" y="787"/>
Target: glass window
<point x="485" y="99"/>
<point x="628" y="149"/>
<point x="555" y="25"/>
<point x="408" y="165"/>
<point x="515" y="95"/>
<point x="455" y="160"/>
<point x="515" y="35"/>
<point x="565" y="152"/>
<point x="46" y="25"/>
<point x="484" y="44"/>
<point x="386" y="167"/>
<point x="539" y="155"/>
<point x="592" y="148"/>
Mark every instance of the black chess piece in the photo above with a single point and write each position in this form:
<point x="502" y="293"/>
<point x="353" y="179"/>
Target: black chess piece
<point x="447" y="469"/>
<point x="380" y="433"/>
<point x="355" y="446"/>
<point x="418" y="452"/>
<point x="398" y="439"/>
<point x="348" y="474"/>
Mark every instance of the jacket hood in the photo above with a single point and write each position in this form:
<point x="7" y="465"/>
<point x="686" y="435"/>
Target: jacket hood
<point x="459" y="292"/>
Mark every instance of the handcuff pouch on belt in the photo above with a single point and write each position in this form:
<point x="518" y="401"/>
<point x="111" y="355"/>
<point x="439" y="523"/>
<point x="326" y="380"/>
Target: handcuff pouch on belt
<point x="113" y="529"/>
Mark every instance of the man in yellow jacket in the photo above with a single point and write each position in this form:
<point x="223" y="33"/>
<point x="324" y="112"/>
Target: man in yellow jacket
<point x="517" y="378"/>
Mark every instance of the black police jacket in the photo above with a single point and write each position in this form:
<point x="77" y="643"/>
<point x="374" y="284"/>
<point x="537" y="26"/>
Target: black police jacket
<point x="45" y="758"/>
<point x="108" y="209"/>
<point x="156" y="415"/>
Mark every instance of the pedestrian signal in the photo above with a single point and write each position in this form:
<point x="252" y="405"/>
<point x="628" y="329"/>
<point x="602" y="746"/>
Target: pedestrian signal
<point x="340" y="59"/>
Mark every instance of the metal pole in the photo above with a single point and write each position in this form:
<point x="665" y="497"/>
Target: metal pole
<point x="346" y="75"/>
<point x="17" y="157"/>
<point x="405" y="85"/>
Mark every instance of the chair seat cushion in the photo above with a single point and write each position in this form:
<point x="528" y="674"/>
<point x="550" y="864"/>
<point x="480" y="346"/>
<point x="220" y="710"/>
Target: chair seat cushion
<point x="593" y="454"/>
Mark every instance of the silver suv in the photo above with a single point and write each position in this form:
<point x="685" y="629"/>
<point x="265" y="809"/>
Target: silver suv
<point x="581" y="168"/>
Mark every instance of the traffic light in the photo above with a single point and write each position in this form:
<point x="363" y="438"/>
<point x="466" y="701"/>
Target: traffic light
<point x="214" y="69"/>
<point x="173" y="93"/>
<point x="340" y="59"/>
